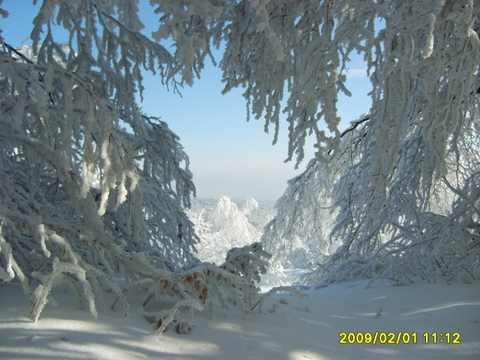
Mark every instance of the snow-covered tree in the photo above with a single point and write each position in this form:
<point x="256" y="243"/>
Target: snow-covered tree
<point x="84" y="199"/>
<point x="92" y="190"/>
<point x="230" y="220"/>
<point x="414" y="159"/>
<point x="424" y="117"/>
<point x="298" y="237"/>
<point x="222" y="225"/>
<point x="257" y="214"/>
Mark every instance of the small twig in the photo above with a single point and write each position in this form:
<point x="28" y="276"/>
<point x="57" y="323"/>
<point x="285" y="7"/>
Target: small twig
<point x="189" y="303"/>
<point x="460" y="194"/>
<point x="354" y="126"/>
<point x="277" y="289"/>
<point x="24" y="58"/>
<point x="398" y="283"/>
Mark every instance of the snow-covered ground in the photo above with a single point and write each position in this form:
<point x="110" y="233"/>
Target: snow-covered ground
<point x="287" y="328"/>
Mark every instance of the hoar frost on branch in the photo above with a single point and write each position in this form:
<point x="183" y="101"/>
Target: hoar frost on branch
<point x="405" y="196"/>
<point x="297" y="235"/>
<point x="273" y="47"/>
<point x="419" y="145"/>
<point x="85" y="201"/>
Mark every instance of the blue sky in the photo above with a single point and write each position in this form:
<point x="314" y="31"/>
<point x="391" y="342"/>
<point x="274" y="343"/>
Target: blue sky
<point x="228" y="155"/>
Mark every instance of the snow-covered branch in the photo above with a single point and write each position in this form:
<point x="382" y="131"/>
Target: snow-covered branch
<point x="91" y="187"/>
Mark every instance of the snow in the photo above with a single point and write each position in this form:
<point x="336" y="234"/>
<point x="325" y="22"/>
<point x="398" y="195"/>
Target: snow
<point x="287" y="328"/>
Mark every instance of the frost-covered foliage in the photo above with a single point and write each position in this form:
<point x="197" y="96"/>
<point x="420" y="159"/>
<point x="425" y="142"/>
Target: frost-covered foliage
<point x="273" y="47"/>
<point x="229" y="219"/>
<point x="298" y="237"/>
<point x="395" y="215"/>
<point x="422" y="58"/>
<point x="84" y="200"/>
<point x="257" y="214"/>
<point x="93" y="191"/>
<point x="247" y="261"/>
<point x="222" y="225"/>
<point x="204" y="283"/>
<point x="406" y="192"/>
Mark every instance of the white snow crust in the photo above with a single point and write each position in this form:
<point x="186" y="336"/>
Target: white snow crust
<point x="287" y="328"/>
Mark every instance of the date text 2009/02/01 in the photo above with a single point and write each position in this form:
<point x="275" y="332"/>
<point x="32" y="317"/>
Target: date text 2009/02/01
<point x="399" y="337"/>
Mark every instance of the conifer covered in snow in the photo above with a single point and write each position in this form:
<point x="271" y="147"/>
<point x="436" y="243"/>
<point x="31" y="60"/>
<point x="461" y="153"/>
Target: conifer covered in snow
<point x="222" y="225"/>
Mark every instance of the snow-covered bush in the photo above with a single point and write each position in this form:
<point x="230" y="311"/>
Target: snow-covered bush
<point x="247" y="262"/>
<point x="207" y="284"/>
